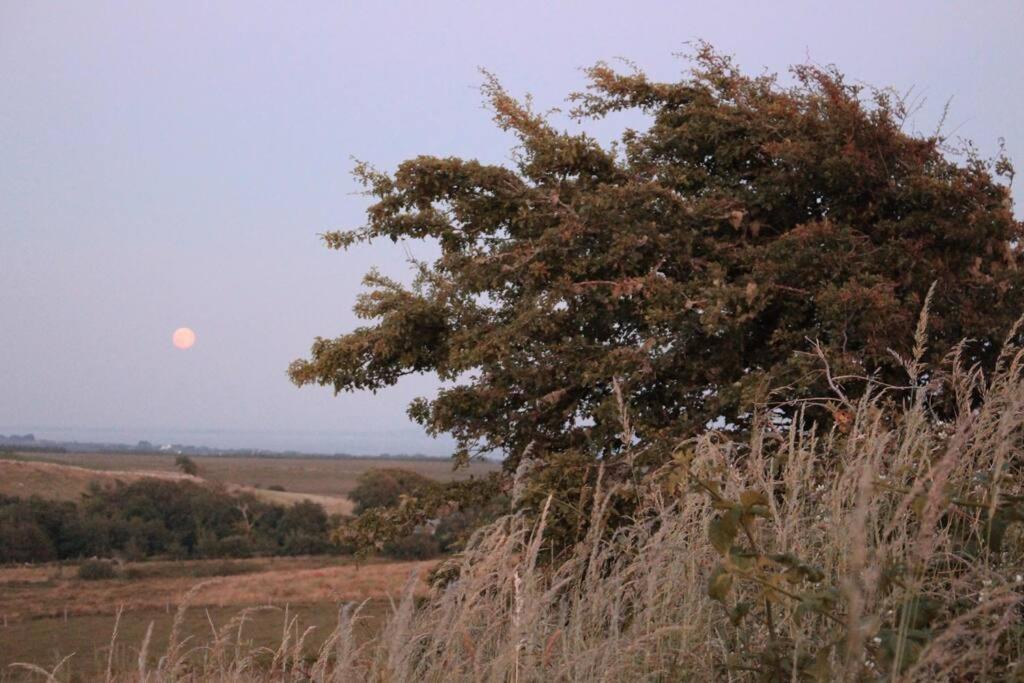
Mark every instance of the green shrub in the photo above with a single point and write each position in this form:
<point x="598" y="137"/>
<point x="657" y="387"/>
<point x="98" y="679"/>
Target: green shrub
<point x="416" y="546"/>
<point x="305" y="543"/>
<point x="24" y="541"/>
<point x="384" y="487"/>
<point x="152" y="517"/>
<point x="97" y="570"/>
<point x="187" y="465"/>
<point x="234" y="546"/>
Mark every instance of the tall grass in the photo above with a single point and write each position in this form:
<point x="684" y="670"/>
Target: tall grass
<point x="888" y="547"/>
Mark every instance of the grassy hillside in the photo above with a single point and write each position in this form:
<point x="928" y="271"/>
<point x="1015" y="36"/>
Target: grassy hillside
<point x="321" y="476"/>
<point x="54" y="481"/>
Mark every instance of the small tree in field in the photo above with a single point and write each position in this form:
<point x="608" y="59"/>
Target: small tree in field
<point x="186" y="465"/>
<point x="693" y="264"/>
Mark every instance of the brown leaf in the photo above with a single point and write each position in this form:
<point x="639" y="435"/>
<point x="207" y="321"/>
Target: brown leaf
<point x="719" y="584"/>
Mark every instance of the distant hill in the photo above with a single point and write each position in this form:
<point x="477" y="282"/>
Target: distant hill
<point x="24" y="478"/>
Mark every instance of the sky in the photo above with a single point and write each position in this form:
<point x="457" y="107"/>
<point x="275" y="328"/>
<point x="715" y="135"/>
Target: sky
<point x="172" y="164"/>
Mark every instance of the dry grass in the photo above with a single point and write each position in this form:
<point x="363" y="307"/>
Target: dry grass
<point x="68" y="482"/>
<point x="318" y="476"/>
<point x="46" y="613"/>
<point x="50" y="591"/>
<point x="326" y="481"/>
<point x="47" y="641"/>
<point x="54" y="481"/>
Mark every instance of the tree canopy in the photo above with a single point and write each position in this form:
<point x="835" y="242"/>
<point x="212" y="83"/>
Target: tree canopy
<point x="692" y="263"/>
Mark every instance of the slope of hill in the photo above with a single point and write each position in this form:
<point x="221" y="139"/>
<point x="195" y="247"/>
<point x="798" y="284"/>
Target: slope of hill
<point x="54" y="481"/>
<point x="312" y="475"/>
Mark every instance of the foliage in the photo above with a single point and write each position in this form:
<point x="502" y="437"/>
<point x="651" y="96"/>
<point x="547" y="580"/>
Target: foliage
<point x="419" y="545"/>
<point x="153" y="517"/>
<point x="693" y="261"/>
<point x="446" y="513"/>
<point x="97" y="570"/>
<point x="385" y="486"/>
<point x="187" y="465"/>
<point x="24" y="541"/>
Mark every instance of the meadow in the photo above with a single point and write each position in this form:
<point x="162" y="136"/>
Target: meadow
<point x="48" y="613"/>
<point x="308" y="475"/>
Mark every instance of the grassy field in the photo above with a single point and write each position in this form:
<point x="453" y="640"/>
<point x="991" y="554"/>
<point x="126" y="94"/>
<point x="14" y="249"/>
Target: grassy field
<point x="47" y="613"/>
<point x="66" y="476"/>
<point x="319" y="476"/>
<point x="47" y="641"/>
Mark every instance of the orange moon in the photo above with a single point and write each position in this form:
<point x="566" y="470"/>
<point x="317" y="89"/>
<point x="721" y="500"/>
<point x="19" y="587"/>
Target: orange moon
<point x="183" y="338"/>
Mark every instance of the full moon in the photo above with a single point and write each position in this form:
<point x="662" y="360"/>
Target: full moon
<point x="183" y="338"/>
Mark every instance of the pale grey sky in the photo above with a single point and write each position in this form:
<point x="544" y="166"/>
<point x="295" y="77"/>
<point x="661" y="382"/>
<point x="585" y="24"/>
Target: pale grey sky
<point x="168" y="164"/>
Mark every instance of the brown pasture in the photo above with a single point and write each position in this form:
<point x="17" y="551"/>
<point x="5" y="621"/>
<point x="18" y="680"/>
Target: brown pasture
<point x="320" y="476"/>
<point x="46" y="612"/>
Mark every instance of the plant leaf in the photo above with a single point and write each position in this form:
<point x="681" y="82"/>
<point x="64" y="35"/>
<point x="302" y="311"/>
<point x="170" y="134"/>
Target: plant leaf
<point x="719" y="584"/>
<point x="722" y="531"/>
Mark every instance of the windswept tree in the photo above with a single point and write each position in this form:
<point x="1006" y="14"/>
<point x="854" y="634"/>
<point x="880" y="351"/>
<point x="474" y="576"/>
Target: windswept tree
<point x="693" y="264"/>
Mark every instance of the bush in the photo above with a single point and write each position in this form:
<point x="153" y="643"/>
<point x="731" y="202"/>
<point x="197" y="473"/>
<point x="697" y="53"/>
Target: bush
<point x="24" y="541"/>
<point x="233" y="546"/>
<point x="187" y="465"/>
<point x="454" y="508"/>
<point x="416" y="546"/>
<point x="85" y="536"/>
<point x="153" y="517"/>
<point x="275" y="487"/>
<point x="97" y="570"/>
<point x="305" y="543"/>
<point x="384" y="487"/>
<point x="305" y="517"/>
